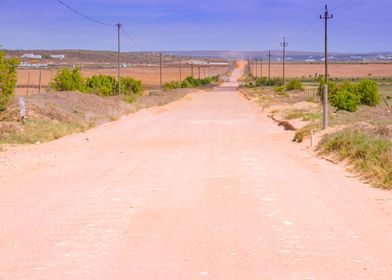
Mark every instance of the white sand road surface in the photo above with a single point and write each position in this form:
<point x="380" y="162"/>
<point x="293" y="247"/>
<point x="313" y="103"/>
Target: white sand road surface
<point x="203" y="188"/>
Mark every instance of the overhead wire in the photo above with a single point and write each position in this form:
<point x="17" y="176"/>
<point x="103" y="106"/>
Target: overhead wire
<point x="84" y="15"/>
<point x="130" y="38"/>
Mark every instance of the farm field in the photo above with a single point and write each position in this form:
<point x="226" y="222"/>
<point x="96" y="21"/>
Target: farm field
<point x="337" y="70"/>
<point x="149" y="75"/>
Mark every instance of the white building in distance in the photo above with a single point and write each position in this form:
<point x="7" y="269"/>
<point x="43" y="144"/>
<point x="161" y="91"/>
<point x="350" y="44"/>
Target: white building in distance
<point x="31" y="56"/>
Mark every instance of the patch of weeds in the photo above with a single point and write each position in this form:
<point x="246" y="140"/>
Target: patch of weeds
<point x="40" y="131"/>
<point x="294" y="114"/>
<point x="312" y="116"/>
<point x="305" y="132"/>
<point x="369" y="154"/>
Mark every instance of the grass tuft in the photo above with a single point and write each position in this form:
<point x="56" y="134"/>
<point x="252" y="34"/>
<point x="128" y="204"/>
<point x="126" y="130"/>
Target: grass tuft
<point x="369" y="154"/>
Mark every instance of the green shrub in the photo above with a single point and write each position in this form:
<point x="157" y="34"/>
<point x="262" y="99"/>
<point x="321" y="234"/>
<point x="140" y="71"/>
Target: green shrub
<point x="280" y="89"/>
<point x="171" y="85"/>
<point x="186" y="84"/>
<point x="368" y="92"/>
<point x="332" y="88"/>
<point x="67" y="80"/>
<point x="345" y="98"/>
<point x="101" y="85"/>
<point x="294" y="85"/>
<point x="131" y="86"/>
<point x="7" y="79"/>
<point x="264" y="81"/>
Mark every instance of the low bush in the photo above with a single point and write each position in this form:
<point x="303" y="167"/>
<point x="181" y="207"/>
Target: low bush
<point x="264" y="81"/>
<point x="101" y="85"/>
<point x="280" y="89"/>
<point x="130" y="86"/>
<point x="68" y="80"/>
<point x="7" y="79"/>
<point x="171" y="85"/>
<point x="348" y="96"/>
<point x="368" y="92"/>
<point x="191" y="82"/>
<point x="294" y="85"/>
<point x="345" y="98"/>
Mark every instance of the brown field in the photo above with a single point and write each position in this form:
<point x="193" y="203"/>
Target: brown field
<point x="148" y="75"/>
<point x="341" y="70"/>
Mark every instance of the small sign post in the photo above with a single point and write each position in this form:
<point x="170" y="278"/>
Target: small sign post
<point x="22" y="109"/>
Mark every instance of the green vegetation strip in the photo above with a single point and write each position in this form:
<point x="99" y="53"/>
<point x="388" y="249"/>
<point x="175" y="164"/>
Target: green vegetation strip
<point x="369" y="154"/>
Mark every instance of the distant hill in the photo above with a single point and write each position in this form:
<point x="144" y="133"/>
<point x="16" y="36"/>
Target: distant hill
<point x="110" y="57"/>
<point x="291" y="55"/>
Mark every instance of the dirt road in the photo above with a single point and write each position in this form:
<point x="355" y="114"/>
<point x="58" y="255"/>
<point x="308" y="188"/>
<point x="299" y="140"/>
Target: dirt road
<point x="203" y="188"/>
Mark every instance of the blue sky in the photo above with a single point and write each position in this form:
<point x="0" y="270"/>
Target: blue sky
<point x="358" y="25"/>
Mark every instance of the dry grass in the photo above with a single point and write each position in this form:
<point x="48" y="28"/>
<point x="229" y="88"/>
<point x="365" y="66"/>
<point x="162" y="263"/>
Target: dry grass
<point x="51" y="116"/>
<point x="369" y="154"/>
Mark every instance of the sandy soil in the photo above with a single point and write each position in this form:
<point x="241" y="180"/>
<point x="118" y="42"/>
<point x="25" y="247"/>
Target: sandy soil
<point x="203" y="188"/>
<point x="148" y="75"/>
<point x="335" y="70"/>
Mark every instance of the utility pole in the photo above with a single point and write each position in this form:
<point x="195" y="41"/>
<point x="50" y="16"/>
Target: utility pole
<point x="118" y="57"/>
<point x="261" y="67"/>
<point x="160" y="72"/>
<point x="326" y="17"/>
<point x="192" y="69"/>
<point x="179" y="65"/>
<point x="199" y="72"/>
<point x="284" y="44"/>
<point x="249" y="67"/>
<point x="256" y="67"/>
<point x="269" y="65"/>
<point x="39" y="81"/>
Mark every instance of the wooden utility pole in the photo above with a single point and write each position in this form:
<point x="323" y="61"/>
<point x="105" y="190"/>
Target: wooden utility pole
<point x="256" y="67"/>
<point x="28" y="84"/>
<point x="118" y="57"/>
<point x="326" y="17"/>
<point x="269" y="65"/>
<point x="192" y="69"/>
<point x="284" y="44"/>
<point x="261" y="67"/>
<point x="199" y="72"/>
<point x="39" y="81"/>
<point x="179" y="66"/>
<point x="160" y="72"/>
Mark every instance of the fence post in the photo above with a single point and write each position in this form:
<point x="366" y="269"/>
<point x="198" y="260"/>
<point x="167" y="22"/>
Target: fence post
<point x="39" y="82"/>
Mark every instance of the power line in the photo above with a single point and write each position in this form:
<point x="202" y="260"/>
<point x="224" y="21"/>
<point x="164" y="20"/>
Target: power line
<point x="83" y="15"/>
<point x="351" y="7"/>
<point x="133" y="41"/>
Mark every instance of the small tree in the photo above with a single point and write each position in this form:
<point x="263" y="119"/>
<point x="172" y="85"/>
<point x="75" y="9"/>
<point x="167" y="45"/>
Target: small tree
<point x="345" y="98"/>
<point x="7" y="79"/>
<point x="368" y="93"/>
<point x="130" y="86"/>
<point x="67" y="80"/>
<point x="101" y="85"/>
<point x="295" y="85"/>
